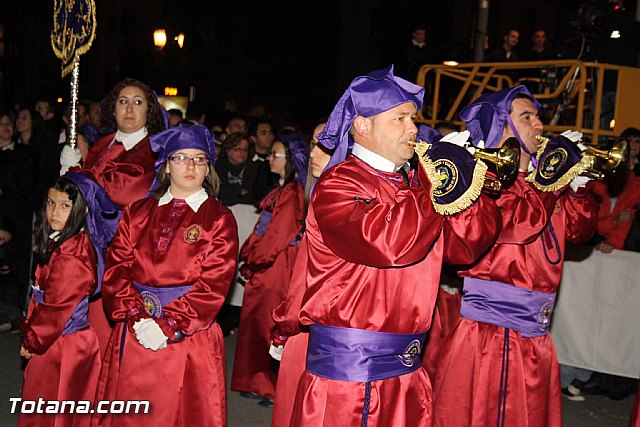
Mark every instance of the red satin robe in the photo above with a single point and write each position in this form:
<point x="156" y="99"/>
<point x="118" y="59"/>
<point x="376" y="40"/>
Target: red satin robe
<point x="467" y="386"/>
<point x="159" y="246"/>
<point x="126" y="177"/>
<point x="293" y="362"/>
<point x="376" y="266"/>
<point x="271" y="257"/>
<point x="635" y="414"/>
<point x="64" y="367"/>
<point x="614" y="231"/>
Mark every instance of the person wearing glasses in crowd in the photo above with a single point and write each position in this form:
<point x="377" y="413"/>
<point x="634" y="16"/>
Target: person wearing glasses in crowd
<point x="168" y="270"/>
<point x="267" y="259"/>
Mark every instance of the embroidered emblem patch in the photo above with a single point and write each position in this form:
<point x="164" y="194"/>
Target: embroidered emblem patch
<point x="193" y="233"/>
<point x="552" y="162"/>
<point x="447" y="174"/>
<point x="151" y="304"/>
<point x="544" y="315"/>
<point x="410" y="353"/>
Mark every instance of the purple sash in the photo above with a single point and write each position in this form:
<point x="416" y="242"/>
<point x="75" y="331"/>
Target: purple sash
<point x="156" y="298"/>
<point x="263" y="223"/>
<point x="357" y="355"/>
<point x="79" y="317"/>
<point x="509" y="306"/>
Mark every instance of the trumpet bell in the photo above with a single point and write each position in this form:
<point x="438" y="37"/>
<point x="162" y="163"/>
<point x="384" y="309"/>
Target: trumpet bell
<point x="614" y="164"/>
<point x="503" y="161"/>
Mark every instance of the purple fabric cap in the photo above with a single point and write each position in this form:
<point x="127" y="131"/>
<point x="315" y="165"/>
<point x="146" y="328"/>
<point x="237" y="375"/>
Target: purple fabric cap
<point x="169" y="141"/>
<point x="299" y="155"/>
<point x="366" y="96"/>
<point x="486" y="117"/>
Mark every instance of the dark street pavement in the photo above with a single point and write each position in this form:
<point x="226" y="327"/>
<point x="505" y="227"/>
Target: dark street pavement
<point x="596" y="411"/>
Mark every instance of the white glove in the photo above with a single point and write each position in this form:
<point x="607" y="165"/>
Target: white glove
<point x="276" y="352"/>
<point x="69" y="157"/>
<point x="458" y="138"/>
<point x="572" y="135"/>
<point x="150" y="335"/>
<point x="579" y="181"/>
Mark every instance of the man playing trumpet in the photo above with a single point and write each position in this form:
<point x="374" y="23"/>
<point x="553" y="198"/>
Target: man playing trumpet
<point x="499" y="365"/>
<point x="376" y="244"/>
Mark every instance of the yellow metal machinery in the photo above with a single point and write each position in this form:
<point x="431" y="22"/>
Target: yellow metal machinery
<point x="572" y="93"/>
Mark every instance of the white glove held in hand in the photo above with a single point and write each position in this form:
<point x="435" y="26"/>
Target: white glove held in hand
<point x="572" y="135"/>
<point x="69" y="157"/>
<point x="579" y="181"/>
<point x="150" y="335"/>
<point x="276" y="352"/>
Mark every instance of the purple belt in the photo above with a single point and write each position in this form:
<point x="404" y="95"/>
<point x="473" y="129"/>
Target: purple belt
<point x="79" y="317"/>
<point x="509" y="306"/>
<point x="156" y="298"/>
<point x="263" y="223"/>
<point x="357" y="355"/>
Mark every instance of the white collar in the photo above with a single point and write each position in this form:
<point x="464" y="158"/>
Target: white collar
<point x="257" y="158"/>
<point x="194" y="201"/>
<point x="373" y="159"/>
<point x="9" y="147"/>
<point x="415" y="43"/>
<point x="129" y="140"/>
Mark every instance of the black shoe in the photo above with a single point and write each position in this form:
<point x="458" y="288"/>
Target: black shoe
<point x="250" y="395"/>
<point x="266" y="403"/>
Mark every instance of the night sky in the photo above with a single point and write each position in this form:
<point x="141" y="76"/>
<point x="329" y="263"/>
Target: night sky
<point x="293" y="56"/>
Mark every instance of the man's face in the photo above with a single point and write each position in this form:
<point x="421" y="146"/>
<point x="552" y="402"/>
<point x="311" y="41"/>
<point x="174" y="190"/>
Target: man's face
<point x="391" y="131"/>
<point x="512" y="38"/>
<point x="538" y="38"/>
<point x="83" y="116"/>
<point x="420" y="36"/>
<point x="527" y="122"/>
<point x="95" y="115"/>
<point x="236" y="125"/>
<point x="634" y="148"/>
<point x="42" y="107"/>
<point x="264" y="136"/>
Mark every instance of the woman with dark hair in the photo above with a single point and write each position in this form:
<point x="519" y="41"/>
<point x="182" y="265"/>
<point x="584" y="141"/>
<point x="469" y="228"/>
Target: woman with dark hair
<point x="122" y="162"/>
<point x="28" y="126"/>
<point x="268" y="257"/>
<point x="237" y="173"/>
<point x="168" y="271"/>
<point x="62" y="347"/>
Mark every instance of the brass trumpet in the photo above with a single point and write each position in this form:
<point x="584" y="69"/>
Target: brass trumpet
<point x="615" y="162"/>
<point x="503" y="161"/>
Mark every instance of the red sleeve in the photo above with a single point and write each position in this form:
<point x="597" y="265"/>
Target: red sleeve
<point x="72" y="276"/>
<point x="525" y="212"/>
<point x="129" y="176"/>
<point x="470" y="233"/>
<point x="582" y="215"/>
<point x="196" y="310"/>
<point x="120" y="300"/>
<point x="285" y="224"/>
<point x="360" y="227"/>
<point x="286" y="314"/>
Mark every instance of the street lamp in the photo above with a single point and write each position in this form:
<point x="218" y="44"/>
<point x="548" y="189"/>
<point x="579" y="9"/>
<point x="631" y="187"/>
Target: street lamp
<point x="160" y="38"/>
<point x="180" y="39"/>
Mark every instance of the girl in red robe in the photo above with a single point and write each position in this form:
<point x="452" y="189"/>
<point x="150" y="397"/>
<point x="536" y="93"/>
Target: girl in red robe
<point x="62" y="348"/>
<point x="268" y="256"/>
<point x="168" y="271"/>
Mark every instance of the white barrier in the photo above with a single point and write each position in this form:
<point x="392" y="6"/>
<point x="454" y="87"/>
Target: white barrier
<point x="596" y="322"/>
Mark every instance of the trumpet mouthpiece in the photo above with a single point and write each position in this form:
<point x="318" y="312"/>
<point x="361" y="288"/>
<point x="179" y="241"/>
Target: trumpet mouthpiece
<point x="542" y="139"/>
